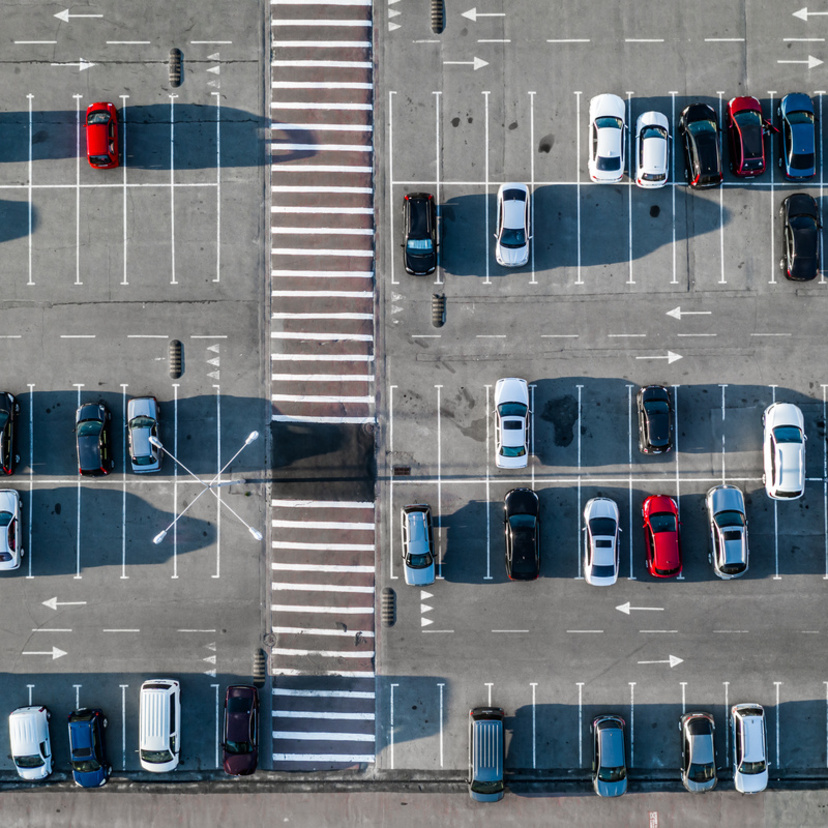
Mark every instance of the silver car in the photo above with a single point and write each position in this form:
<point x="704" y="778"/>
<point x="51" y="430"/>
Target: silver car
<point x="513" y="225"/>
<point x="142" y="423"/>
<point x="750" y="748"/>
<point x="728" y="531"/>
<point x="698" y="752"/>
<point x="609" y="762"/>
<point x="417" y="545"/>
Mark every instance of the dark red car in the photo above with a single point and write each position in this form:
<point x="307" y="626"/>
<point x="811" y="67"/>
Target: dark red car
<point x="241" y="730"/>
<point x="661" y="536"/>
<point x="746" y="129"/>
<point x="102" y="136"/>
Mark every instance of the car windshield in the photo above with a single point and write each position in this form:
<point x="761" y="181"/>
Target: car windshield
<point x="141" y="422"/>
<point x="608" y="164"/>
<point x="608" y="122"/>
<point x="487" y="787"/>
<point x="729" y="518"/>
<point x="89" y="428"/>
<point x="701" y="127"/>
<point x="612" y="774"/>
<point x="99" y="116"/>
<point x="100" y="159"/>
<point x="602" y="526"/>
<point x="420" y="245"/>
<point x="4" y="418"/>
<point x="512" y="410"/>
<point x="238" y="748"/>
<point x="420" y="561"/>
<point x="5" y="518"/>
<point x="522" y="522"/>
<point x="513" y="451"/>
<point x="156" y="757"/>
<point x="701" y="773"/>
<point x="513" y="237"/>
<point x="656" y="407"/>
<point x="751" y="768"/>
<point x="663" y="522"/>
<point x="800" y="117"/>
<point x="87" y="766"/>
<point x="653" y="131"/>
<point x="787" y="434"/>
<point x="34" y="761"/>
<point x="603" y="571"/>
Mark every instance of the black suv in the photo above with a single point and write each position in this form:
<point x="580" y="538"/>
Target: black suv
<point x="800" y="228"/>
<point x="9" y="409"/>
<point x="699" y="128"/>
<point x="655" y="420"/>
<point x="92" y="440"/>
<point x="419" y="234"/>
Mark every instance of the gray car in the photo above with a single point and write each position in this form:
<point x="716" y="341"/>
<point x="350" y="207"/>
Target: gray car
<point x="417" y="545"/>
<point x="142" y="423"/>
<point x="728" y="531"/>
<point x="609" y="761"/>
<point x="698" y="752"/>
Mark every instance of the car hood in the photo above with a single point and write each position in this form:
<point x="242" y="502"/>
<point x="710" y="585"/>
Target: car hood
<point x="240" y="764"/>
<point x="511" y="389"/>
<point x="8" y="501"/>
<point x="92" y="779"/>
<point x="751" y="782"/>
<point x="784" y="414"/>
<point x="610" y="788"/>
<point x="512" y="256"/>
<point x="419" y="577"/>
<point x="607" y="105"/>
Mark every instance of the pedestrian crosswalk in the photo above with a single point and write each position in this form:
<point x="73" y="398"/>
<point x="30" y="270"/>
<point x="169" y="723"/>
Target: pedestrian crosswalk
<point x="322" y="622"/>
<point x="322" y="225"/>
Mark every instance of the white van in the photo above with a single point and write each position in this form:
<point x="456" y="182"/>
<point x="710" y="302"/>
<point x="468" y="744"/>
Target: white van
<point x="160" y="725"/>
<point x="31" y="746"/>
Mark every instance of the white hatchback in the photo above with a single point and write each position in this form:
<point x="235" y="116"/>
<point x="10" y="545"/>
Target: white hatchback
<point x="652" y="150"/>
<point x="601" y="563"/>
<point x="784" y="451"/>
<point x="512" y="423"/>
<point x="607" y="131"/>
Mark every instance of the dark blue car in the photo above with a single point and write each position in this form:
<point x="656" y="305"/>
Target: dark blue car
<point x="798" y="140"/>
<point x="87" y="748"/>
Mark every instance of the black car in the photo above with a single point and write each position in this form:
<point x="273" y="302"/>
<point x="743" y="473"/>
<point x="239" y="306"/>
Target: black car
<point x="798" y="143"/>
<point x="699" y="127"/>
<point x="800" y="228"/>
<point x="93" y="440"/>
<point x="87" y="748"/>
<point x="9" y="410"/>
<point x="419" y="234"/>
<point x="241" y="730"/>
<point x="521" y="523"/>
<point x="655" y="420"/>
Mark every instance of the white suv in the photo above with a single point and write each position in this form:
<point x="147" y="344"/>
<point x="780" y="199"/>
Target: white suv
<point x="784" y="451"/>
<point x="750" y="749"/>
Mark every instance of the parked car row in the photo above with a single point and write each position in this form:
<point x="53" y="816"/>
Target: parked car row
<point x="159" y="745"/>
<point x="698" y="772"/>
<point x="783" y="451"/>
<point x="93" y="440"/>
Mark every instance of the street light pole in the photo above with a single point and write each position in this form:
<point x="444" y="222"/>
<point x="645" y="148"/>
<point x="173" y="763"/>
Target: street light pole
<point x="209" y="487"/>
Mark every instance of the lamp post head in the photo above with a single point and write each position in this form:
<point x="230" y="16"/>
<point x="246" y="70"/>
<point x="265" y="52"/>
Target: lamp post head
<point x="159" y="537"/>
<point x="251" y="438"/>
<point x="256" y="534"/>
<point x="156" y="442"/>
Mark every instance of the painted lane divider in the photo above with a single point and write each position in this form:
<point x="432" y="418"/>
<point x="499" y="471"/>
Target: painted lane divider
<point x="625" y="608"/>
<point x="53" y="603"/>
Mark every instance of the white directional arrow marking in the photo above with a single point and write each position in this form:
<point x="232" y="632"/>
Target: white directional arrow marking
<point x="54" y="652"/>
<point x="424" y="622"/>
<point x="478" y="63"/>
<point x="392" y="25"/>
<point x="81" y="64"/>
<point x="677" y="313"/>
<point x="424" y="595"/>
<point x="670" y="357"/>
<point x="804" y="14"/>
<point x="473" y="14"/>
<point x="671" y="660"/>
<point x="812" y="61"/>
<point x="625" y="608"/>
<point x="425" y="608"/>
<point x="64" y="15"/>
<point x="53" y="603"/>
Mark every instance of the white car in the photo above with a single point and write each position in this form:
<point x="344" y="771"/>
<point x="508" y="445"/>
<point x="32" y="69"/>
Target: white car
<point x="417" y="545"/>
<point x="601" y="563"/>
<point x="513" y="225"/>
<point x="31" y="746"/>
<point x="750" y="748"/>
<point x="11" y="549"/>
<point x="512" y="423"/>
<point x="652" y="150"/>
<point x="607" y="133"/>
<point x="784" y="451"/>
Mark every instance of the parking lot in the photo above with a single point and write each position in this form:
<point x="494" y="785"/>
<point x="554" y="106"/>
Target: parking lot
<point x="102" y="270"/>
<point x="624" y="288"/>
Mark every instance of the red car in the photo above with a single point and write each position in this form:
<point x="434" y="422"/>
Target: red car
<point x="102" y="135"/>
<point x="661" y="536"/>
<point x="746" y="129"/>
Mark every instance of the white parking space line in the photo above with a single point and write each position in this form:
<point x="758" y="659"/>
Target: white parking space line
<point x="77" y="188"/>
<point x="630" y="475"/>
<point x="578" y="280"/>
<point x="630" y="280"/>
<point x="31" y="387"/>
<point x="122" y="630"/>
<point x="439" y="486"/>
<point x="727" y="721"/>
<point x="580" y="686"/>
<point x="772" y="230"/>
<point x="632" y="723"/>
<point x="438" y="192"/>
<point x="123" y="725"/>
<point x="722" y="280"/>
<point x="124" y="165"/>
<point x="488" y="415"/>
<point x="128" y="42"/>
<point x="777" y="685"/>
<point x="533" y="280"/>
<point x="52" y="629"/>
<point x="77" y="695"/>
<point x="533" y="685"/>
<point x="392" y="575"/>
<point x="217" y="96"/>
<point x="723" y="387"/>
<point x="78" y="385"/>
<point x="683" y="697"/>
<point x="172" y="189"/>
<point x="578" y="516"/>
<point x="216" y="491"/>
<point x="216" y="687"/>
<point x="175" y="481"/>
<point x="124" y="576"/>
<point x="674" y="280"/>
<point x="487" y="280"/>
<point x="532" y="388"/>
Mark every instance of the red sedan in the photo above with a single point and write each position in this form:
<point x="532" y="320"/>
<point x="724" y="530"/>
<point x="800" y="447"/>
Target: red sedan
<point x="102" y="135"/>
<point x="661" y="536"/>
<point x="746" y="129"/>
